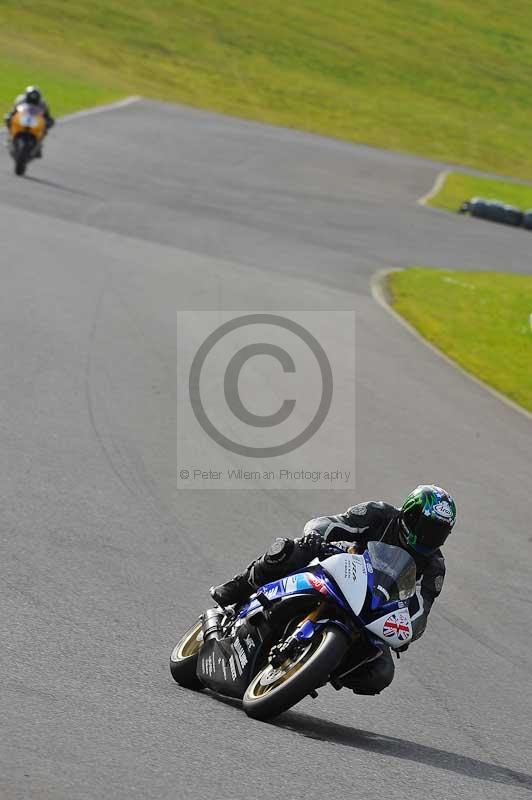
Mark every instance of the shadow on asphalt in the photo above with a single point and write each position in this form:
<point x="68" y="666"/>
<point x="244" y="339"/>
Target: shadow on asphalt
<point x="315" y="728"/>
<point x="59" y="186"/>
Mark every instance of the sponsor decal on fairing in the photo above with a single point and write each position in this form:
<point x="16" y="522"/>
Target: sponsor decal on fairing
<point x="317" y="584"/>
<point x="240" y="653"/>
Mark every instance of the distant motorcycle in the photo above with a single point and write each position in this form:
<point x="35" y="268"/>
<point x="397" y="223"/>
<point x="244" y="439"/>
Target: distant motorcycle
<point x="299" y="633"/>
<point x="27" y="129"/>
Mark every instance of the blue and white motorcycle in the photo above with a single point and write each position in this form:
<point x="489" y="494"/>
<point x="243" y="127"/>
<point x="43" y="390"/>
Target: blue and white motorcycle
<point x="299" y="633"/>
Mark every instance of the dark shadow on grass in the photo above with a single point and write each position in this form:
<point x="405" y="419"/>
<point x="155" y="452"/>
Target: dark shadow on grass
<point x="60" y="187"/>
<point x="404" y="749"/>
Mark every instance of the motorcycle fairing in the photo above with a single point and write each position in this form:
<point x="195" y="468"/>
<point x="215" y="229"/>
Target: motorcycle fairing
<point x="356" y="579"/>
<point x="350" y="573"/>
<point x="29" y="120"/>
<point x="313" y="580"/>
<point x="394" y="629"/>
<point x="227" y="665"/>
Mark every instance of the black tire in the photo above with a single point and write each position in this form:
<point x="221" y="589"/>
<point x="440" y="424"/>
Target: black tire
<point x="22" y="153"/>
<point x="308" y="670"/>
<point x="184" y="658"/>
<point x="20" y="165"/>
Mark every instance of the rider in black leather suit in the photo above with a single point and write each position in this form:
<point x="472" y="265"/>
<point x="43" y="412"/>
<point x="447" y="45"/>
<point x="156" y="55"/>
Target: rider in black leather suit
<point x="421" y="526"/>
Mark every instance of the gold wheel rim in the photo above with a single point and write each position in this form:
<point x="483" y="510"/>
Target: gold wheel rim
<point x="270" y="679"/>
<point x="189" y="645"/>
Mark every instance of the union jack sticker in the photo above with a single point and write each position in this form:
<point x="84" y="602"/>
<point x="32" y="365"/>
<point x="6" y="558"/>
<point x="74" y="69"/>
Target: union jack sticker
<point x="396" y="625"/>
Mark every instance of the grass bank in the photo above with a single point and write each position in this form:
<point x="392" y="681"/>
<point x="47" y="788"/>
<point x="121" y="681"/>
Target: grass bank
<point x="459" y="187"/>
<point x="65" y="90"/>
<point x="450" y="80"/>
<point x="480" y="319"/>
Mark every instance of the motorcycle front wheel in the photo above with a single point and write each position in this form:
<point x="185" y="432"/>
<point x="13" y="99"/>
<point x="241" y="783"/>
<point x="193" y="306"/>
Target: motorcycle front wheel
<point x="22" y="155"/>
<point x="184" y="658"/>
<point x="276" y="689"/>
<point x="20" y="165"/>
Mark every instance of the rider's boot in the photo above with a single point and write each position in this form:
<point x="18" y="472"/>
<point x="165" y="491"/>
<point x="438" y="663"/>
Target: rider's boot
<point x="237" y="590"/>
<point x="281" y="558"/>
<point x="38" y="152"/>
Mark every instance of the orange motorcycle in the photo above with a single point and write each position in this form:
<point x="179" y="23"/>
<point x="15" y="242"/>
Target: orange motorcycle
<point x="27" y="129"/>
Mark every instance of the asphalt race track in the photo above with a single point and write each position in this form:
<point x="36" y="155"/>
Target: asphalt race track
<point x="133" y="214"/>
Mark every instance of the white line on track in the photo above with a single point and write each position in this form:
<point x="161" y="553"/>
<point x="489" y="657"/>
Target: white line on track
<point x="127" y="101"/>
<point x="438" y="184"/>
<point x="379" y="290"/>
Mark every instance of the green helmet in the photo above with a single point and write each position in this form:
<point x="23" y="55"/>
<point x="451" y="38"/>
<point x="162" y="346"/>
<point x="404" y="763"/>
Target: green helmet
<point x="427" y="518"/>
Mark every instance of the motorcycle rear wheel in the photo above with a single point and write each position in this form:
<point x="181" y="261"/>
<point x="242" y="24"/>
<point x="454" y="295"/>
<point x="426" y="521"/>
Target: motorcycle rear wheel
<point x="274" y="690"/>
<point x="184" y="658"/>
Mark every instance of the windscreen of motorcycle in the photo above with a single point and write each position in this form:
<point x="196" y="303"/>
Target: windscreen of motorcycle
<point x="351" y="576"/>
<point x="394" y="571"/>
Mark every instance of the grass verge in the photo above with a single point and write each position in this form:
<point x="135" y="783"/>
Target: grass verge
<point x="449" y="80"/>
<point x="66" y="90"/>
<point x="459" y="187"/>
<point x="479" y="319"/>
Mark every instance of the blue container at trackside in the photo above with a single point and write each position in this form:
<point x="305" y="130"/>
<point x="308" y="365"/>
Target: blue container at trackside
<point x="527" y="219"/>
<point x="493" y="210"/>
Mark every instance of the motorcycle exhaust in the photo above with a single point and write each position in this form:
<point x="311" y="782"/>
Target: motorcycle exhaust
<point x="211" y="624"/>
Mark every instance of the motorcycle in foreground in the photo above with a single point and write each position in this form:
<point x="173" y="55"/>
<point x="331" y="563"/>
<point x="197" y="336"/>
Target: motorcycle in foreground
<point x="298" y="633"/>
<point x="27" y="129"/>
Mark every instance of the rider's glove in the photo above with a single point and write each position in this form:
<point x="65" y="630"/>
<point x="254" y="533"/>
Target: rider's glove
<point x="334" y="548"/>
<point x="347" y="547"/>
<point x="311" y="543"/>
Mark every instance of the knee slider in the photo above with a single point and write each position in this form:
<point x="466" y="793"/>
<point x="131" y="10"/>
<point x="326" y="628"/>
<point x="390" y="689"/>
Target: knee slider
<point x="372" y="677"/>
<point x="381" y="672"/>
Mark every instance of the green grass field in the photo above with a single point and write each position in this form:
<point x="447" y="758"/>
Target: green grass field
<point x="480" y="319"/>
<point x="459" y="187"/>
<point x="450" y="80"/>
